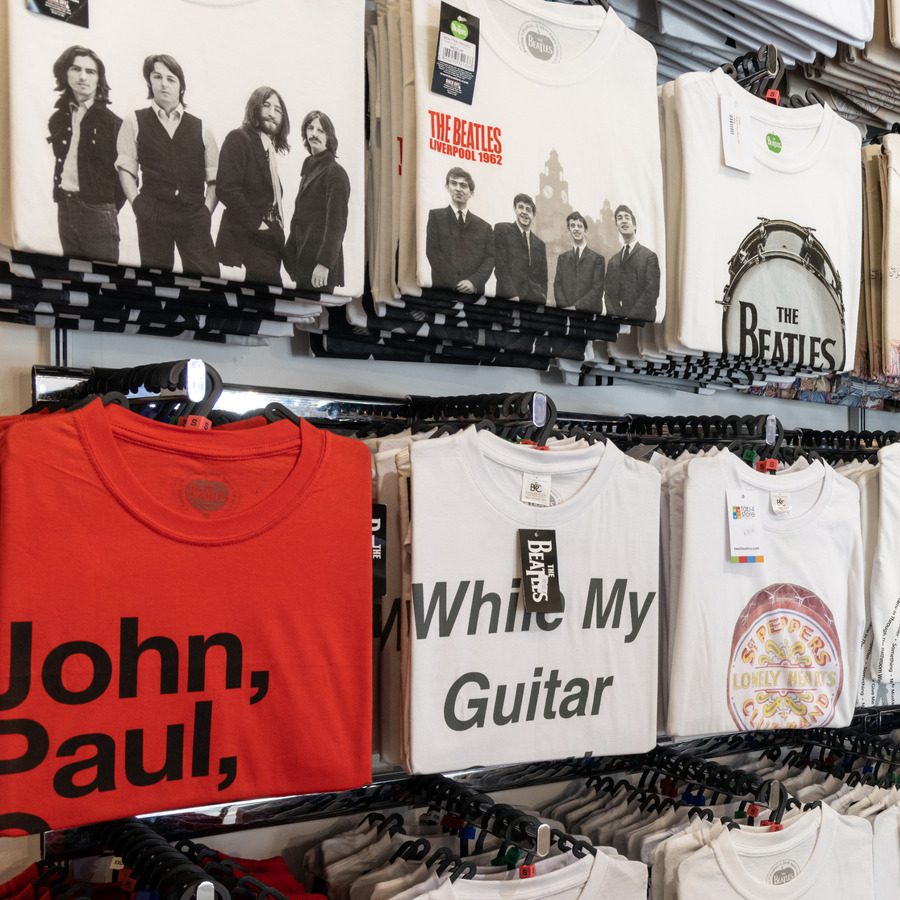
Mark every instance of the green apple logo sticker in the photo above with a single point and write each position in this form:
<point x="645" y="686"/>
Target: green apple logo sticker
<point x="458" y="29"/>
<point x="773" y="142"/>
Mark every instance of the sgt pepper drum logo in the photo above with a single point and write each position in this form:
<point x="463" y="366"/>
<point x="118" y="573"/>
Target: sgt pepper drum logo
<point x="786" y="668"/>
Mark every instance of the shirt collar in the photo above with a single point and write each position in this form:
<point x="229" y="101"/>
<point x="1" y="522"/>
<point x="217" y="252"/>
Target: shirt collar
<point x="266" y="140"/>
<point x="162" y="115"/>
<point x="85" y="106"/>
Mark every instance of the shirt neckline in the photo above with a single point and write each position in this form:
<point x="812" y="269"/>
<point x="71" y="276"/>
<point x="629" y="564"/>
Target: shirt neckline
<point x="101" y="429"/>
<point x="820" y="118"/>
<point x="608" y="27"/>
<point x="818" y="822"/>
<point x="479" y="448"/>
<point x="784" y="482"/>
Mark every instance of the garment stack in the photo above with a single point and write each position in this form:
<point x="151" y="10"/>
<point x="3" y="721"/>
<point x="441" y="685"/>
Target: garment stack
<point x="764" y="228"/>
<point x="126" y="143"/>
<point x="487" y="245"/>
<point x="859" y="80"/>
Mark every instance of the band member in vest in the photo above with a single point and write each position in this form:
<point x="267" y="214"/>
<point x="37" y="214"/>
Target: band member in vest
<point x="314" y="255"/>
<point x="83" y="133"/>
<point x="632" y="275"/>
<point x="580" y="271"/>
<point x="167" y="165"/>
<point x="520" y="257"/>
<point x="252" y="230"/>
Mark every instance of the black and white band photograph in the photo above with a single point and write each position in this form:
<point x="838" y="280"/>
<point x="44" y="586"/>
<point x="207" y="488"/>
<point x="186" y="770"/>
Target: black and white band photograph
<point x="164" y="137"/>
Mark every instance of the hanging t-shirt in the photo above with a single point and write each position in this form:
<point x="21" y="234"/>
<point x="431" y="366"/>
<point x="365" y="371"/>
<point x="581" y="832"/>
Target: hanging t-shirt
<point x="818" y="855"/>
<point x="778" y="608"/>
<point x="180" y="158"/>
<point x="538" y="62"/>
<point x="215" y="602"/>
<point x="771" y="258"/>
<point x="491" y="683"/>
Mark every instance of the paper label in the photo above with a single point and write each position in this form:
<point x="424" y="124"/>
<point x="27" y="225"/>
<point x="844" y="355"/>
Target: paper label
<point x="745" y="538"/>
<point x="536" y="489"/>
<point x="540" y="571"/>
<point x="74" y="12"/>
<point x="735" y="135"/>
<point x="379" y="550"/>
<point x="456" y="58"/>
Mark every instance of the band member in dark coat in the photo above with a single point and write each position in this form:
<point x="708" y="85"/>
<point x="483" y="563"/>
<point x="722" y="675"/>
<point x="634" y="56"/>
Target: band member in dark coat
<point x="252" y="230"/>
<point x="520" y="257"/>
<point x="83" y="133"/>
<point x="580" y="271"/>
<point x="314" y="255"/>
<point x="176" y="157"/>
<point x="632" y="276"/>
<point x="459" y="246"/>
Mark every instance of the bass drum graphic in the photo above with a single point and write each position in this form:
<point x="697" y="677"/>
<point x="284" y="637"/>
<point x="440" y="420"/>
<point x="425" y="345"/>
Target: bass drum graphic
<point x="784" y="289"/>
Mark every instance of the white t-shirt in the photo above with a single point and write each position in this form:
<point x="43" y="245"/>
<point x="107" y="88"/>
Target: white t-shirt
<point x="771" y="260"/>
<point x="819" y="854"/>
<point x="885" y="584"/>
<point x="780" y="638"/>
<point x="585" y="879"/>
<point x="490" y="684"/>
<point x="206" y="39"/>
<point x="537" y="63"/>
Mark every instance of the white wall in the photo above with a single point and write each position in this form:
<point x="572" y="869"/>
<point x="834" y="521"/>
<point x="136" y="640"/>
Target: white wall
<point x="286" y="363"/>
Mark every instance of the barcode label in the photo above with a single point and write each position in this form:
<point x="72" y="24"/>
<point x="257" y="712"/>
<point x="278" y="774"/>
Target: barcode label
<point x="455" y="52"/>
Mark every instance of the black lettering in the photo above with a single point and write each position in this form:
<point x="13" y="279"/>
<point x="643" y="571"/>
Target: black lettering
<point x="384" y="628"/>
<point x="131" y="652"/>
<point x="552" y="683"/>
<point x="600" y="685"/>
<point x="575" y="701"/>
<point x="595" y="600"/>
<point x="202" y="739"/>
<point x="513" y="605"/>
<point x="479" y="599"/>
<point x="172" y="769"/>
<point x="535" y="694"/>
<point x="51" y="672"/>
<point x="259" y="681"/>
<point x="199" y="646"/>
<point x="478" y="706"/>
<point x="37" y="745"/>
<point x="228" y="771"/>
<point x="446" y="618"/>
<point x="638" y="615"/>
<point x="544" y="621"/>
<point x="749" y="345"/>
<point x="102" y="764"/>
<point x="20" y="638"/>
<point x="501" y="718"/>
<point x="828" y="345"/>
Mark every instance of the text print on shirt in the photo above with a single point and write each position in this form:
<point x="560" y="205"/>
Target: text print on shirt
<point x="616" y="608"/>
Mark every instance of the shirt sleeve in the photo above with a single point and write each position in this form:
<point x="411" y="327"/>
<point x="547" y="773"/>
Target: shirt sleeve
<point x="210" y="154"/>
<point x="126" y="145"/>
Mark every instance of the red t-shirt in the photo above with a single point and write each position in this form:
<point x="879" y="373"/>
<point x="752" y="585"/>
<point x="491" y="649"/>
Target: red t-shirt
<point x="179" y="612"/>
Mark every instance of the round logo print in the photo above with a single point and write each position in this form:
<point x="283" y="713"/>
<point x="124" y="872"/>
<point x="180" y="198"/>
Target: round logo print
<point x="459" y="29"/>
<point x="786" y="669"/>
<point x="539" y="41"/>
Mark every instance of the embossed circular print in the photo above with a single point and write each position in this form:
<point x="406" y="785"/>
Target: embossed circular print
<point x="786" y="669"/>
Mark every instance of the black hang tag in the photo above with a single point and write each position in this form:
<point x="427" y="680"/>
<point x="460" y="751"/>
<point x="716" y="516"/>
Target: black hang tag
<point x="456" y="56"/>
<point x="379" y="550"/>
<point x="540" y="571"/>
<point x="74" y="12"/>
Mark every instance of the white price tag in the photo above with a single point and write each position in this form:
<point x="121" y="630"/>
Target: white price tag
<point x="735" y="135"/>
<point x="745" y="534"/>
